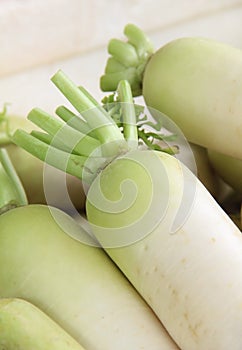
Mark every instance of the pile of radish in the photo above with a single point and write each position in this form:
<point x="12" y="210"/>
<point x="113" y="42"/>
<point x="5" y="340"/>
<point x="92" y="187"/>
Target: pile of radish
<point x="155" y="261"/>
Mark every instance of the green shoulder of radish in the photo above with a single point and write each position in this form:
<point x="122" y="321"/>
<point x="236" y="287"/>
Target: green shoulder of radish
<point x="73" y="281"/>
<point x="197" y="82"/>
<point x="152" y="215"/>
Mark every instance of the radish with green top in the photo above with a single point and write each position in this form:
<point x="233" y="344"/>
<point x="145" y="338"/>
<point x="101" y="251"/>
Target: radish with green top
<point x="75" y="283"/>
<point x="157" y="222"/>
<point x="197" y="82"/>
<point x="25" y="327"/>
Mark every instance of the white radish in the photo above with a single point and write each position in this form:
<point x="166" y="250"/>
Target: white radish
<point x="195" y="81"/>
<point x="191" y="277"/>
<point x="157" y="222"/>
<point x="74" y="283"/>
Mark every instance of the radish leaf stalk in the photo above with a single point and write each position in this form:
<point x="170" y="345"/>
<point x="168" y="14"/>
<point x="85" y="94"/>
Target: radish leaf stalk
<point x="5" y="138"/>
<point x="128" y="112"/>
<point x="96" y="118"/>
<point x="78" y="142"/>
<point x="74" y="121"/>
<point x="70" y="163"/>
<point x="12" y="193"/>
<point x="135" y="122"/>
<point x="53" y="141"/>
<point x="110" y="141"/>
<point x="127" y="61"/>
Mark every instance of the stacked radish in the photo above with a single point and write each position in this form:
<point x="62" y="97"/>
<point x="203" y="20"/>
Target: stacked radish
<point x="151" y="214"/>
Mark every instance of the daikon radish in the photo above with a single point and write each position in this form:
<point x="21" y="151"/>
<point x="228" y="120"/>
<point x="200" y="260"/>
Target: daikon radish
<point x="157" y="222"/>
<point x="197" y="82"/>
<point x="25" y="327"/>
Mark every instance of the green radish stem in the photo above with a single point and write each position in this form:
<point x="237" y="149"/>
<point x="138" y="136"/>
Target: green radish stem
<point x="128" y="112"/>
<point x="86" y="158"/>
<point x="97" y="118"/>
<point x="74" y="121"/>
<point x="114" y="66"/>
<point x="139" y="40"/>
<point x="31" y="170"/>
<point x="127" y="61"/>
<point x="52" y="141"/>
<point x="124" y="52"/>
<point x="50" y="149"/>
<point x="12" y="193"/>
<point x="89" y="96"/>
<point x="79" y="143"/>
<point x="70" y="163"/>
<point x="5" y="138"/>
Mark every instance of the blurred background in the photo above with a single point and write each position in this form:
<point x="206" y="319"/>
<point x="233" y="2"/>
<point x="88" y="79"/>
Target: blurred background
<point x="39" y="37"/>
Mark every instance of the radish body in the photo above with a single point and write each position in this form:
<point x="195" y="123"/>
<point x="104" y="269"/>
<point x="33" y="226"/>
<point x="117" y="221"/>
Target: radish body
<point x="25" y="327"/>
<point x="74" y="283"/>
<point x="198" y="84"/>
<point x="192" y="277"/>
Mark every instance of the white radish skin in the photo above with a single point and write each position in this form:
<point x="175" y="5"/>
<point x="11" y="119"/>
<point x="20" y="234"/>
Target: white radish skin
<point x="74" y="283"/>
<point x="191" y="278"/>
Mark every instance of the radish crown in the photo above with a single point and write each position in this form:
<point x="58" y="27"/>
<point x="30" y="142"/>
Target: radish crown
<point x="83" y="144"/>
<point x="128" y="60"/>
